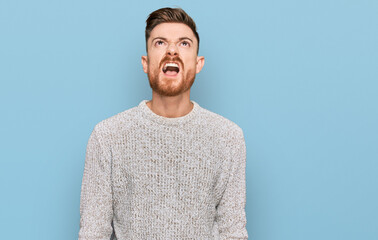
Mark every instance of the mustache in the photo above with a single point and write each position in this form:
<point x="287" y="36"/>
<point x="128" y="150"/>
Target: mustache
<point x="171" y="59"/>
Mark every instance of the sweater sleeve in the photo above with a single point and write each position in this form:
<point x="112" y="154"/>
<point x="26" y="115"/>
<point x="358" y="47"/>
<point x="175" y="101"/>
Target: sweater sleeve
<point x="231" y="216"/>
<point x="96" y="208"/>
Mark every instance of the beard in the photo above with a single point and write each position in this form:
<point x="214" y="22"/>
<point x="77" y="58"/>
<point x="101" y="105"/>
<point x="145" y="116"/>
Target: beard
<point x="168" y="86"/>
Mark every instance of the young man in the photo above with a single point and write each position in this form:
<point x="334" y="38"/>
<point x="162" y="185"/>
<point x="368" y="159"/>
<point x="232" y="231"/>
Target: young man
<point x="167" y="168"/>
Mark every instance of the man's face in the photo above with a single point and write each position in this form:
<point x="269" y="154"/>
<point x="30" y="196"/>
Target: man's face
<point x="172" y="62"/>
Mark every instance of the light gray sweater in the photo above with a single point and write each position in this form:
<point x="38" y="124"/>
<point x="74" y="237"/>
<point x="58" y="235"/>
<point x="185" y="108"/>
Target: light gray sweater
<point x="151" y="177"/>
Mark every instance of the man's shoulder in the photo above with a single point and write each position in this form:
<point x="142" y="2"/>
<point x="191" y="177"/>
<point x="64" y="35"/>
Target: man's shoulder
<point x="118" y="121"/>
<point x="220" y="123"/>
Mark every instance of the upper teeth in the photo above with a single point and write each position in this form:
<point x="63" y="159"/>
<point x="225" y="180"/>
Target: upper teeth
<point x="171" y="65"/>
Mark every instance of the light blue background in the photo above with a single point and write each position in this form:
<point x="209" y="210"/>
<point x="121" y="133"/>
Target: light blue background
<point x="299" y="76"/>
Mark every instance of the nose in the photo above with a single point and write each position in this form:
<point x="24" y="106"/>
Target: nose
<point x="172" y="50"/>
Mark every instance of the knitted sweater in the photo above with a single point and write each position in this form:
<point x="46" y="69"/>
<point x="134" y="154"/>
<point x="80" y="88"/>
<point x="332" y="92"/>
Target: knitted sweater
<point x="151" y="177"/>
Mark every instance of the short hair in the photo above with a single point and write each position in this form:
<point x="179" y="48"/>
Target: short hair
<point x="169" y="15"/>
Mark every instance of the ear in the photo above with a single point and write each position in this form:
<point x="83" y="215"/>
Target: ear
<point x="145" y="63"/>
<point x="200" y="63"/>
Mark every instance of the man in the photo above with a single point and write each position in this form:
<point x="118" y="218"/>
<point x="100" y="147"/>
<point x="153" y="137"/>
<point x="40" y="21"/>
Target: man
<point x="167" y="168"/>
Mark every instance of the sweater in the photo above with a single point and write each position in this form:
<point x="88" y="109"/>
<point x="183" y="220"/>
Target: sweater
<point x="151" y="177"/>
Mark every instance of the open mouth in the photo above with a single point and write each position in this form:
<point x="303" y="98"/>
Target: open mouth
<point x="171" y="69"/>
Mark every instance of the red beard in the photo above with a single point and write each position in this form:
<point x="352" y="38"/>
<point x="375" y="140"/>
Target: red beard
<point x="165" y="86"/>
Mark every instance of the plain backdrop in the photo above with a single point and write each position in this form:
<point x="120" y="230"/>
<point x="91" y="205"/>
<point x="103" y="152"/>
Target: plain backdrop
<point x="298" y="76"/>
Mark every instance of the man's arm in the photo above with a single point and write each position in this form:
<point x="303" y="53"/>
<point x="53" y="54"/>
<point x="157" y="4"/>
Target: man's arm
<point x="231" y="216"/>
<point x="96" y="207"/>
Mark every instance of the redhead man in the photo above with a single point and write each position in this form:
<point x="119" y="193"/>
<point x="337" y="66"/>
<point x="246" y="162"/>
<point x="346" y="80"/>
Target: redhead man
<point x="167" y="168"/>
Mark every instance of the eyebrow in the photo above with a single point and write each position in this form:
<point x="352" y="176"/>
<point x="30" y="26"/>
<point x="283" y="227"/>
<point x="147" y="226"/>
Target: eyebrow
<point x="185" y="38"/>
<point x="159" y="38"/>
<point x="180" y="39"/>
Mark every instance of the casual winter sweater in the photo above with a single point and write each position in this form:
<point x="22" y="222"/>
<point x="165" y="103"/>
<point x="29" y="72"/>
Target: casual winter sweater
<point x="151" y="177"/>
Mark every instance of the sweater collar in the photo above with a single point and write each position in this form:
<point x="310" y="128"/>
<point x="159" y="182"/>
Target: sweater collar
<point x="165" y="120"/>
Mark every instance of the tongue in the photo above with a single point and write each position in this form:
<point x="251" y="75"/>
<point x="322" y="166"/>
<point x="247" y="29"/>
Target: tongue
<point x="171" y="73"/>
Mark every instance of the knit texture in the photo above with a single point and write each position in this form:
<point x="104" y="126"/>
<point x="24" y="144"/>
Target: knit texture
<point x="151" y="177"/>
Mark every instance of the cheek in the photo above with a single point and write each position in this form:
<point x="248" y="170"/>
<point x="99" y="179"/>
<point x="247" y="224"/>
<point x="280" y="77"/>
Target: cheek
<point x="152" y="65"/>
<point x="154" y="60"/>
<point x="190" y="62"/>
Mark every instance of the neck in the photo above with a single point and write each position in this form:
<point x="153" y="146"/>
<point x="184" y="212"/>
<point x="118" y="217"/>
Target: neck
<point x="170" y="107"/>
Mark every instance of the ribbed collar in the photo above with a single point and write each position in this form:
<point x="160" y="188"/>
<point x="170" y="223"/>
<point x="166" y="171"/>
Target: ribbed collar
<point x="165" y="120"/>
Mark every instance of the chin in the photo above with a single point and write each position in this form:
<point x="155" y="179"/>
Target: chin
<point x="169" y="90"/>
<point x="170" y="86"/>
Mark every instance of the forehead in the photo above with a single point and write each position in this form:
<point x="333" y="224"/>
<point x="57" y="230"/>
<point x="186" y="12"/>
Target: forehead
<point x="172" y="31"/>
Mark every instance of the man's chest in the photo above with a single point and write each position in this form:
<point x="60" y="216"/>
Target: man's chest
<point x="169" y="165"/>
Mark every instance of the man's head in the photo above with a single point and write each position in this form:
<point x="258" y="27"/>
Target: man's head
<point x="169" y="15"/>
<point x="172" y="47"/>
